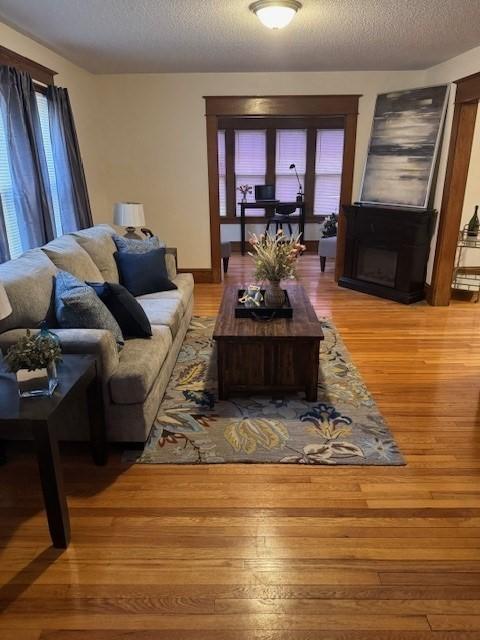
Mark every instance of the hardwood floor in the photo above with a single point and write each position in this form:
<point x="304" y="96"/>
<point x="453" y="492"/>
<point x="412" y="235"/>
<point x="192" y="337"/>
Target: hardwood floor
<point x="263" y="552"/>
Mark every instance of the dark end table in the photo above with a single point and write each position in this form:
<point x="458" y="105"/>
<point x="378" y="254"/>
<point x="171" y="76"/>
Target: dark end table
<point x="276" y="357"/>
<point x="77" y="382"/>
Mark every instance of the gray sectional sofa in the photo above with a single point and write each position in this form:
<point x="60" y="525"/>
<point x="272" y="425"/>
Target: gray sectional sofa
<point x="134" y="379"/>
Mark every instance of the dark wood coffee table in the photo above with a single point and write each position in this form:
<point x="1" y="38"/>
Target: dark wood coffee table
<point x="276" y="357"/>
<point x="78" y="388"/>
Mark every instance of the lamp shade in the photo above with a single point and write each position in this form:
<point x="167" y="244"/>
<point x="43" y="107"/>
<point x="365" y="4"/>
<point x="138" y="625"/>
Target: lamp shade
<point x="5" y="306"/>
<point x="128" y="214"/>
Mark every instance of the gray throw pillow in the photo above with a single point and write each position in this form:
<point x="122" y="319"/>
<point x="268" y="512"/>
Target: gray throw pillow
<point x="130" y="245"/>
<point x="77" y="306"/>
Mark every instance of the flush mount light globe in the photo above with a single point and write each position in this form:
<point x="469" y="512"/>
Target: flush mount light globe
<point x="275" y="14"/>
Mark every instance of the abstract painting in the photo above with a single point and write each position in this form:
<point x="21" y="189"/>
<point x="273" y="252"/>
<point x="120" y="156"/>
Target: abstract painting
<point x="405" y="136"/>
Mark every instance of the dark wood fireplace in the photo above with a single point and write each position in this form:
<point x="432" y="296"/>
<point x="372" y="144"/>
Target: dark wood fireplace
<point x="386" y="251"/>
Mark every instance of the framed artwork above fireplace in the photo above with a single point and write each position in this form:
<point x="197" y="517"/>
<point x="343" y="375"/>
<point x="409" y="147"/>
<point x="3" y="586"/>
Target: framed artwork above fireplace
<point x="401" y="159"/>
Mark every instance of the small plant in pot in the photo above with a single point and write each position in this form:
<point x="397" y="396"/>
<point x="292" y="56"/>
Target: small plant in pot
<point x="244" y="189"/>
<point x="275" y="258"/>
<point x="33" y="360"/>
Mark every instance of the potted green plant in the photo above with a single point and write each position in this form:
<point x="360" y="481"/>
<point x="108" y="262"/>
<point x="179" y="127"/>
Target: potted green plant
<point x="33" y="360"/>
<point x="275" y="259"/>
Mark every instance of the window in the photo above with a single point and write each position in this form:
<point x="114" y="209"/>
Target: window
<point x="222" y="180"/>
<point x="263" y="155"/>
<point x="7" y="195"/>
<point x="291" y="149"/>
<point x="250" y="164"/>
<point x="42" y="104"/>
<point x="7" y="191"/>
<point x="328" y="171"/>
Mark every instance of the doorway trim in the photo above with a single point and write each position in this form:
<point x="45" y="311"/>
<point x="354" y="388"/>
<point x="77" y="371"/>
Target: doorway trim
<point x="345" y="106"/>
<point x="467" y="97"/>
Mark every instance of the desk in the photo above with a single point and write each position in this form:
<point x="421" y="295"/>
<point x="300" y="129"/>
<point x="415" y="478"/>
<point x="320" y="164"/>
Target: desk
<point x="271" y="205"/>
<point x="78" y="385"/>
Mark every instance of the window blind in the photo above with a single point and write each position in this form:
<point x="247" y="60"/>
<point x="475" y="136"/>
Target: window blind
<point x="7" y="195"/>
<point x="291" y="149"/>
<point x="222" y="185"/>
<point x="250" y="164"/>
<point x="42" y="104"/>
<point x="328" y="171"/>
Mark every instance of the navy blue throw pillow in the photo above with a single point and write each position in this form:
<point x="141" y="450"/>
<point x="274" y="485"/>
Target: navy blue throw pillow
<point x="143" y="273"/>
<point x="124" y="308"/>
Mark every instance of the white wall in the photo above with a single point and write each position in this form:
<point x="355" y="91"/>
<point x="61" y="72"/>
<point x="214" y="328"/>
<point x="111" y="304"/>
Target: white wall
<point x="472" y="193"/>
<point x="81" y="86"/>
<point x="471" y="257"/>
<point x="154" y="140"/>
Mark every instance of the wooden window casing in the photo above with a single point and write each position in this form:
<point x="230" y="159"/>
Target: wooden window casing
<point x="40" y="74"/>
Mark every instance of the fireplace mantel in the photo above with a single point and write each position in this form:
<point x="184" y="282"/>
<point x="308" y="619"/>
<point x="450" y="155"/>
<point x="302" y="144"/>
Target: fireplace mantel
<point x="386" y="251"/>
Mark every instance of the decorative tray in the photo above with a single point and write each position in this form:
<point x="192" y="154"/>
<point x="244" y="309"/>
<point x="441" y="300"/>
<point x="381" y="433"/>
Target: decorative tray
<point x="262" y="312"/>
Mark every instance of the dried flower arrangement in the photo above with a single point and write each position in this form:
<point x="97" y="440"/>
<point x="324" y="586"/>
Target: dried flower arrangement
<point x="275" y="255"/>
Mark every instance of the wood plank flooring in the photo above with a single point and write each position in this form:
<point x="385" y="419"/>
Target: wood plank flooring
<point x="263" y="552"/>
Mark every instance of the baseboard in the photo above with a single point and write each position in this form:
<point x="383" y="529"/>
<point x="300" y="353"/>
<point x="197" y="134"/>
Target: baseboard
<point x="466" y="296"/>
<point x="312" y="246"/>
<point x="428" y="293"/>
<point x="201" y="276"/>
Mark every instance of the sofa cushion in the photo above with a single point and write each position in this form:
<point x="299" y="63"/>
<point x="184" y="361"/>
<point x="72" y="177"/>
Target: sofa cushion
<point x="98" y="243"/>
<point x="131" y="245"/>
<point x="67" y="255"/>
<point x="171" y="262"/>
<point x="166" y="312"/>
<point x="124" y="308"/>
<point x="77" y="306"/>
<point x="139" y="366"/>
<point x="184" y="291"/>
<point x="29" y="283"/>
<point x="143" y="273"/>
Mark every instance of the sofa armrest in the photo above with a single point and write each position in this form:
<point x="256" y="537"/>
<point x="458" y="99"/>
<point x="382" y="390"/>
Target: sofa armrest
<point x="171" y="262"/>
<point x="97" y="342"/>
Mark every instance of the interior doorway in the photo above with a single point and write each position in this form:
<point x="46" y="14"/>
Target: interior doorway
<point x="261" y="112"/>
<point x="461" y="140"/>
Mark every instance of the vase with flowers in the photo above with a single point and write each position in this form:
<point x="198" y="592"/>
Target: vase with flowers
<point x="275" y="258"/>
<point x="33" y="360"/>
<point x="245" y="189"/>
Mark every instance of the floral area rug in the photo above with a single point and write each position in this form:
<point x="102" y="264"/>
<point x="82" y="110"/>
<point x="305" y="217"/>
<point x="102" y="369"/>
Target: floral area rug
<point x="343" y="427"/>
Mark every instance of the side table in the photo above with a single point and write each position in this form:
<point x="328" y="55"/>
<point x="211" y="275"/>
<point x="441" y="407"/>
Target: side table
<point x="44" y="416"/>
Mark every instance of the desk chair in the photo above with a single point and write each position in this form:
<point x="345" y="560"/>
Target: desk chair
<point x="281" y="217"/>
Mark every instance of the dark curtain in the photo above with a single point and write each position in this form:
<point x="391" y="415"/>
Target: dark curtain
<point x="26" y="161"/>
<point x="4" y="249"/>
<point x="71" y="183"/>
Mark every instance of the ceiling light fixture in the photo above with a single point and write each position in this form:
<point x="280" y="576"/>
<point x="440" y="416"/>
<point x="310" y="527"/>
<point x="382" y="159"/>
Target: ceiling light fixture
<point x="275" y="14"/>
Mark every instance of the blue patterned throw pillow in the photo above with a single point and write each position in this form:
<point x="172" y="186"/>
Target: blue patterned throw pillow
<point x="77" y="306"/>
<point x="130" y="245"/>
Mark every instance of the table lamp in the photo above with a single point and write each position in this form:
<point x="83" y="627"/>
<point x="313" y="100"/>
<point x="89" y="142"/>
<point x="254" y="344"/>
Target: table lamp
<point x="300" y="190"/>
<point x="5" y="306"/>
<point x="129" y="215"/>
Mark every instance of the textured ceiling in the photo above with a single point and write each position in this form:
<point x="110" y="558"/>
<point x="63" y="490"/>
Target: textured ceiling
<point x="139" y="36"/>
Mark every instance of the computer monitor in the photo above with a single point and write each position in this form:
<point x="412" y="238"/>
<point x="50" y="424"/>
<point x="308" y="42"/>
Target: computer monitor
<point x="264" y="192"/>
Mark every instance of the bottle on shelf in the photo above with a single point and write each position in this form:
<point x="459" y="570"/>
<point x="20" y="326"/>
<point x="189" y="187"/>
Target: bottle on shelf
<point x="474" y="224"/>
